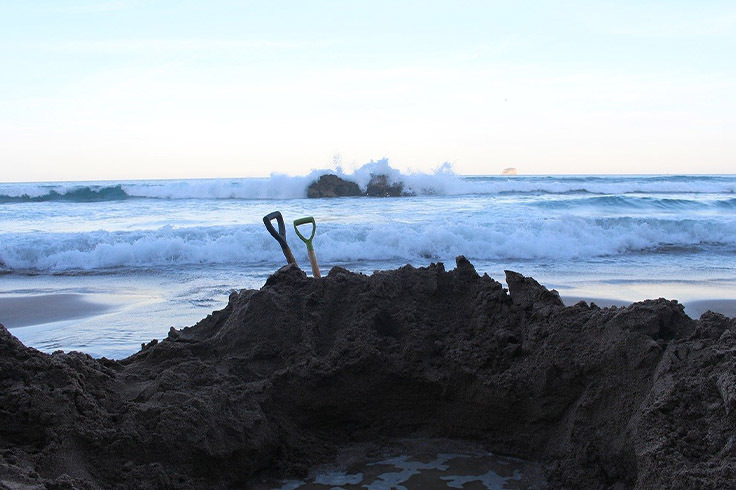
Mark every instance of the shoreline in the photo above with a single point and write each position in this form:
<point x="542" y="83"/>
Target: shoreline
<point x="726" y="307"/>
<point x="20" y="311"/>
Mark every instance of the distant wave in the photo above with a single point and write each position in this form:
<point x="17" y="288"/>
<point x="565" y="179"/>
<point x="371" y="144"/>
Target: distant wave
<point x="73" y="194"/>
<point x="631" y="203"/>
<point x="566" y="239"/>
<point x="442" y="181"/>
<point x="598" y="185"/>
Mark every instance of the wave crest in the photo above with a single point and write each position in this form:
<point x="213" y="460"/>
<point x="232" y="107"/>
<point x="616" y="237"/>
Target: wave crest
<point x="572" y="238"/>
<point x="442" y="181"/>
<point x="74" y="194"/>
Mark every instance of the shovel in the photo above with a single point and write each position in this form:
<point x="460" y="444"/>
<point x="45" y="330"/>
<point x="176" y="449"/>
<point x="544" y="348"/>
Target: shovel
<point x="308" y="241"/>
<point x="280" y="236"/>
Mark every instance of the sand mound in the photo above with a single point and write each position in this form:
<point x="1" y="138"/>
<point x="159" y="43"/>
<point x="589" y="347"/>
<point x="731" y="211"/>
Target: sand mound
<point x="285" y="376"/>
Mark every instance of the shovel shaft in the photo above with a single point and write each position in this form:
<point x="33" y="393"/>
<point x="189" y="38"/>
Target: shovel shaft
<point x="289" y="256"/>
<point x="315" y="265"/>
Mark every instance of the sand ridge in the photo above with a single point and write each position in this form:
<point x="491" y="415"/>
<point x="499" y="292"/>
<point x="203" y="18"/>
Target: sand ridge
<point x="283" y="377"/>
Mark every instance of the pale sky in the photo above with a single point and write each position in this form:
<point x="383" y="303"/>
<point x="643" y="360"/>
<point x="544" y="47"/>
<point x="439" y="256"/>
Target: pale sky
<point x="124" y="89"/>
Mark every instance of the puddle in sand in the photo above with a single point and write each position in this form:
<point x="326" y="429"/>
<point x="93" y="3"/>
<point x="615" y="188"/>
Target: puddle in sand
<point x="472" y="471"/>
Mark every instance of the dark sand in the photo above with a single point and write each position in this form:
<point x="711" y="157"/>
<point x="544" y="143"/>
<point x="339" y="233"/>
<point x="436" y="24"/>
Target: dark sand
<point x="23" y="311"/>
<point x="290" y="376"/>
<point x="694" y="309"/>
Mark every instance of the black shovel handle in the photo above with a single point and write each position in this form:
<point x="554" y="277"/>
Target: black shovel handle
<point x="280" y="235"/>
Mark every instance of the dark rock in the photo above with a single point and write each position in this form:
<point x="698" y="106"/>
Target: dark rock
<point x="330" y="185"/>
<point x="379" y="186"/>
<point x="280" y="379"/>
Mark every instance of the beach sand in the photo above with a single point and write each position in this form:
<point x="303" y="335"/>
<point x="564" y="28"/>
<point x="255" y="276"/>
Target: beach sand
<point x="598" y="398"/>
<point x="23" y="311"/>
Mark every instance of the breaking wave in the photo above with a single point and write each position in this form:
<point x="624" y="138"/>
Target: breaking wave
<point x="443" y="181"/>
<point x="569" y="239"/>
<point x="46" y="193"/>
<point x="630" y="203"/>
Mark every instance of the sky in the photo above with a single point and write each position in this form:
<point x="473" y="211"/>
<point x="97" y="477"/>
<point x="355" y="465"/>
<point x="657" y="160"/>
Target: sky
<point x="135" y="89"/>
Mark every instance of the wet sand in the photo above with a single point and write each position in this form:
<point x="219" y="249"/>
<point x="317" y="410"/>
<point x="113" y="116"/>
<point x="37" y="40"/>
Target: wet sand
<point x="23" y="311"/>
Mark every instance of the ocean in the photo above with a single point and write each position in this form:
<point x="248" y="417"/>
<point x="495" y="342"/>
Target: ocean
<point x="159" y="253"/>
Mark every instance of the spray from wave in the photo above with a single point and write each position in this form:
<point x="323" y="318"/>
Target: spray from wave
<point x="443" y="181"/>
<point x="277" y="186"/>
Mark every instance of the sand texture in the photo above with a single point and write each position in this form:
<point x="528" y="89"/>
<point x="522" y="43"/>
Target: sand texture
<point x="286" y="376"/>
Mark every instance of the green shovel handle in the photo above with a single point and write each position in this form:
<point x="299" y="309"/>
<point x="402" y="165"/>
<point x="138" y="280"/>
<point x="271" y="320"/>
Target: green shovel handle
<point x="302" y="221"/>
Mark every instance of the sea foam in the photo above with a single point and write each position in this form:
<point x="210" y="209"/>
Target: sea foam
<point x="576" y="238"/>
<point x="443" y="181"/>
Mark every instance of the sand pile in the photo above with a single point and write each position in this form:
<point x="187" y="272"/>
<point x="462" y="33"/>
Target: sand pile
<point x="286" y="376"/>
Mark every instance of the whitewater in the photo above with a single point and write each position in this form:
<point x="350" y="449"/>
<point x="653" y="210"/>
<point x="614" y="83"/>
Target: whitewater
<point x="167" y="252"/>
